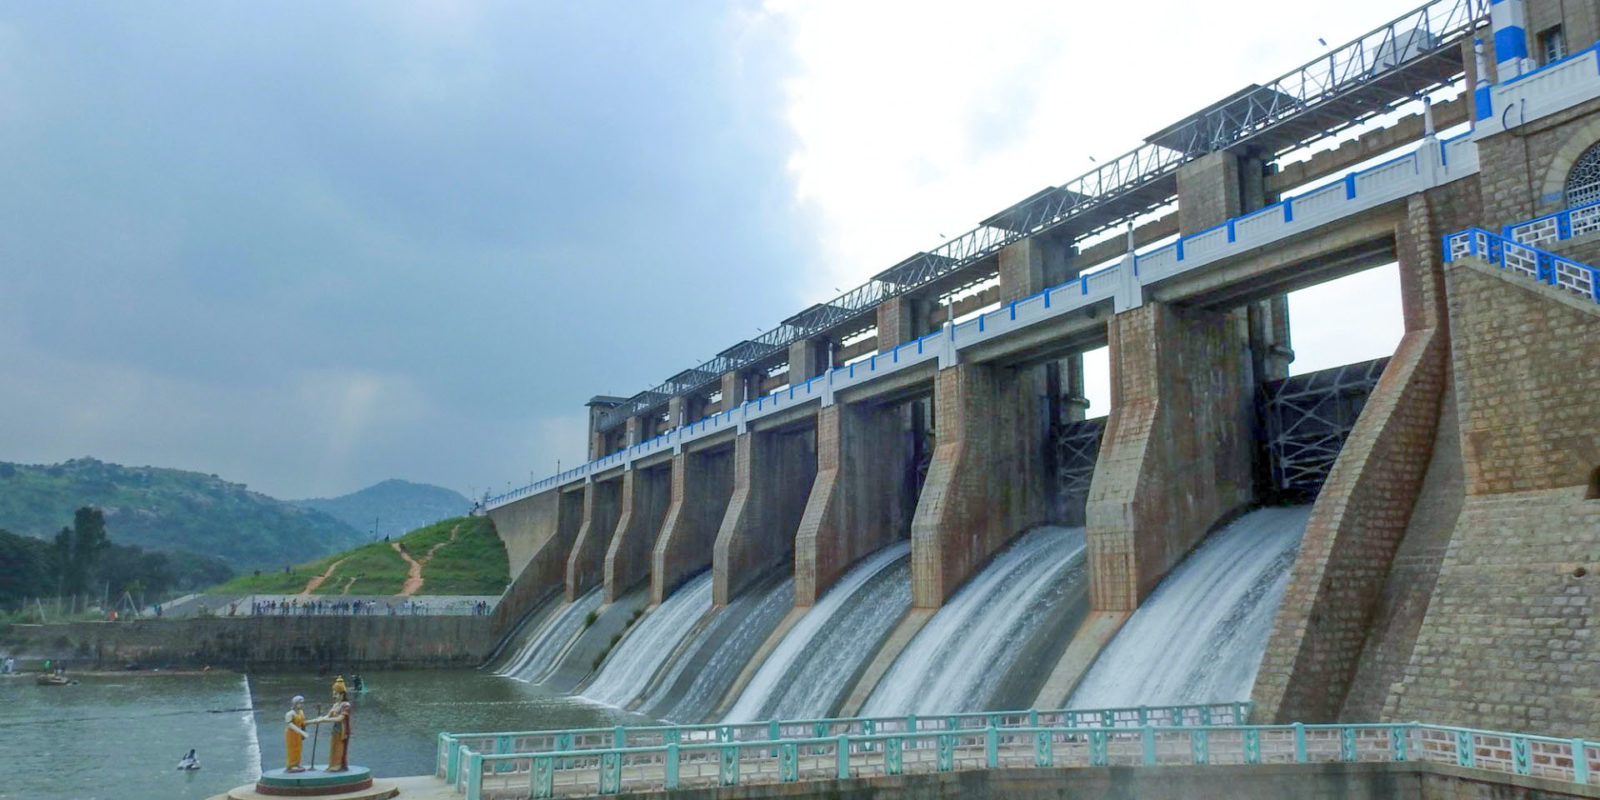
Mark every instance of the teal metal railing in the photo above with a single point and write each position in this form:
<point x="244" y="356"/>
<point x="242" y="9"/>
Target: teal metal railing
<point x="682" y="765"/>
<point x="454" y="748"/>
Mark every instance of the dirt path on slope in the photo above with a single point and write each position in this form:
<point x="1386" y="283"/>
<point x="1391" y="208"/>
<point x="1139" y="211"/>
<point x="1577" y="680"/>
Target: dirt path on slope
<point x="312" y="584"/>
<point x="413" y="582"/>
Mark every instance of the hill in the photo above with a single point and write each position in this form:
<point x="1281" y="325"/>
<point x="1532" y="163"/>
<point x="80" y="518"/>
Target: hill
<point x="398" y="506"/>
<point x="170" y="510"/>
<point x="456" y="556"/>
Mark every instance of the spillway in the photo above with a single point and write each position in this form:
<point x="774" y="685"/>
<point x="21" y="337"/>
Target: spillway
<point x="1199" y="637"/>
<point x="809" y="672"/>
<point x="539" y="655"/>
<point x="1037" y="587"/>
<point x="637" y="658"/>
<point x="690" y="687"/>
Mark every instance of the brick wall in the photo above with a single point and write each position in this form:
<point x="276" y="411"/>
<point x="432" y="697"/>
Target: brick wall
<point x="1508" y="639"/>
<point x="986" y="480"/>
<point x="1176" y="457"/>
<point x="1524" y="169"/>
<point x="701" y="484"/>
<point x="1350" y="605"/>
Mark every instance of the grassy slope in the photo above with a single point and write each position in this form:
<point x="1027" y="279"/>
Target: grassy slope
<point x="474" y="564"/>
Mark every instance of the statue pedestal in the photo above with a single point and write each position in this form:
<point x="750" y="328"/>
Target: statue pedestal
<point x="355" y="783"/>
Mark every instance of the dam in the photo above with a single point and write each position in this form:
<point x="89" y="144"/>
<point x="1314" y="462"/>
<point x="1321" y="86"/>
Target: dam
<point x="892" y="505"/>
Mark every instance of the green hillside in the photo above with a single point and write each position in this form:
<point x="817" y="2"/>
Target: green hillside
<point x="473" y="562"/>
<point x="169" y="510"/>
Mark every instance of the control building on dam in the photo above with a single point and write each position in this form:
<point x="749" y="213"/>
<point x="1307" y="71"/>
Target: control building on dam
<point x="1447" y="567"/>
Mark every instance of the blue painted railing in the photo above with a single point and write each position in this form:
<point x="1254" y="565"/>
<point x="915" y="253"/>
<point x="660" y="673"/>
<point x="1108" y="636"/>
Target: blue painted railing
<point x="686" y="765"/>
<point x="1560" y="226"/>
<point x="1355" y="192"/>
<point x="454" y="748"/>
<point x="1541" y="265"/>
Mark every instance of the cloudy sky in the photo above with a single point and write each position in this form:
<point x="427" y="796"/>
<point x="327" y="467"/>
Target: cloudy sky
<point x="312" y="245"/>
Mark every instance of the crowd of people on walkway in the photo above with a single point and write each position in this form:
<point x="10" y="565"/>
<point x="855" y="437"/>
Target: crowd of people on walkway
<point x="311" y="606"/>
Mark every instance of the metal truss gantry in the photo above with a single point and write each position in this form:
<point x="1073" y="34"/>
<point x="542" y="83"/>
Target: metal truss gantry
<point x="1415" y="53"/>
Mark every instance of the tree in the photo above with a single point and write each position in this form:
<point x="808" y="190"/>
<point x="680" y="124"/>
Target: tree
<point x="78" y="550"/>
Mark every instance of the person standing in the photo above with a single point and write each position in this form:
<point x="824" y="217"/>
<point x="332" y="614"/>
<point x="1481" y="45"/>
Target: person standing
<point x="294" y="734"/>
<point x="338" y="715"/>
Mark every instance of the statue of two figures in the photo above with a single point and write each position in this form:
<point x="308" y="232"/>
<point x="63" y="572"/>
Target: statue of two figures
<point x="338" y="715"/>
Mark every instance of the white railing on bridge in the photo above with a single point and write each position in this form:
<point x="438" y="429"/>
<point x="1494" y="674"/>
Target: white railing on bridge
<point x="1526" y="260"/>
<point x="1431" y="164"/>
<point x="710" y="764"/>
<point x="1549" y="89"/>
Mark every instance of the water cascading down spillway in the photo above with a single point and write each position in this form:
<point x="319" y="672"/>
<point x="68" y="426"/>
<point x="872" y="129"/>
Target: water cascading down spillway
<point x="545" y="645"/>
<point x="808" y="673"/>
<point x="652" y="641"/>
<point x="688" y="688"/>
<point x="972" y="654"/>
<point x="1199" y="637"/>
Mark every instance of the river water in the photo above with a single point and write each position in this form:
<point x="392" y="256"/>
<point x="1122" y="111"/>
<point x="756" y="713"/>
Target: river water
<point x="120" y="735"/>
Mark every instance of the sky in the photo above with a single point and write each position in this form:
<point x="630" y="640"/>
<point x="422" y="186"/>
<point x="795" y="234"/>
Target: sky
<point x="309" y="246"/>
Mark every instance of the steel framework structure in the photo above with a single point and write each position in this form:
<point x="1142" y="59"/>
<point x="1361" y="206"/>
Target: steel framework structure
<point x="1390" y="65"/>
<point x="1308" y="418"/>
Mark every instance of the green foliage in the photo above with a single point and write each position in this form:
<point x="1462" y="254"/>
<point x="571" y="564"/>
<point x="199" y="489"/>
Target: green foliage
<point x="77" y="551"/>
<point x="32" y="568"/>
<point x="169" y="510"/>
<point x="474" y="564"/>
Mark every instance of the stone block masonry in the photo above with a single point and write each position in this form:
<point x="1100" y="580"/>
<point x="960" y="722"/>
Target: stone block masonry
<point x="602" y="505"/>
<point x="1345" y="605"/>
<point x="646" y="493"/>
<point x="1509" y="635"/>
<point x="851" y="511"/>
<point x="1176" y="457"/>
<point x="701" y="485"/>
<point x="986" y="481"/>
<point x="772" y="476"/>
<point x="261" y="643"/>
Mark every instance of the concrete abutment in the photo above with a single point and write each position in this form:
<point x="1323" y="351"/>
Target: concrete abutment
<point x="702" y="484"/>
<point x="646" y="493"/>
<point x="773" y="471"/>
<point x="602" y="505"/>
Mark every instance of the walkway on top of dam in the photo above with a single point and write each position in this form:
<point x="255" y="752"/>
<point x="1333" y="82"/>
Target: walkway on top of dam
<point x="1221" y="262"/>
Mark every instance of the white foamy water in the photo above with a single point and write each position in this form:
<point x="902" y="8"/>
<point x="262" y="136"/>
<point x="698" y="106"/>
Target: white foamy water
<point x="960" y="656"/>
<point x="540" y="653"/>
<point x="718" y="654"/>
<point x="657" y="635"/>
<point x="822" y="650"/>
<point x="1198" y="638"/>
<point x="248" y="717"/>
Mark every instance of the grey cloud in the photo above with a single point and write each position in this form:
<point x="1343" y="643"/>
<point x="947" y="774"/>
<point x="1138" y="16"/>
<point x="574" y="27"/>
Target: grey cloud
<point x="501" y="215"/>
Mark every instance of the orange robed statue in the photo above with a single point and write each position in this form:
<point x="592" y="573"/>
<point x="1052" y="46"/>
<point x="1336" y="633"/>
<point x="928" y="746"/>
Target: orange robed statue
<point x="294" y="733"/>
<point x="339" y="715"/>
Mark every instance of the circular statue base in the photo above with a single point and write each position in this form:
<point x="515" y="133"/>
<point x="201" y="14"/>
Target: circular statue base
<point x="355" y="783"/>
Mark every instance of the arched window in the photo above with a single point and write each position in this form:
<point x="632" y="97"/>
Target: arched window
<point x="1583" y="182"/>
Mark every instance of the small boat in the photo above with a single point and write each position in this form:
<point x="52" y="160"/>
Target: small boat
<point x="189" y="763"/>
<point x="52" y="679"/>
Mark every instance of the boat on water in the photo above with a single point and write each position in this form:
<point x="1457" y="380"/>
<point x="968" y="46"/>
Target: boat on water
<point x="54" y="679"/>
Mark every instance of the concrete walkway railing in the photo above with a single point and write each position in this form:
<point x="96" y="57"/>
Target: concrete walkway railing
<point x="1541" y="265"/>
<point x="715" y="764"/>
<point x="1433" y="163"/>
<point x="456" y="748"/>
